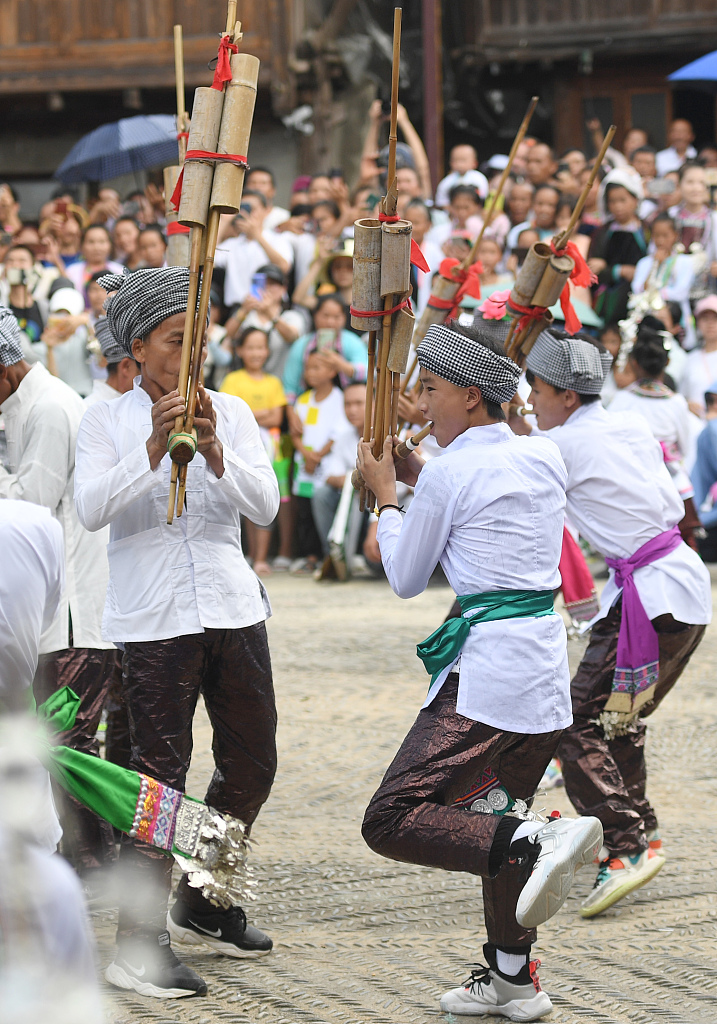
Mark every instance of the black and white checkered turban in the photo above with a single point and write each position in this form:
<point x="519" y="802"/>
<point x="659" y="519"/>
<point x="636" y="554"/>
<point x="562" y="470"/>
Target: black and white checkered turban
<point x="10" y="340"/>
<point x="467" y="363"/>
<point x="111" y="348"/>
<point x="143" y="300"/>
<point x="569" y="363"/>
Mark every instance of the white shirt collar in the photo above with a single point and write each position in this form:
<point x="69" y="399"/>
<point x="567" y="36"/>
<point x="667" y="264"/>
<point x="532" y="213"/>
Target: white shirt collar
<point x="491" y="433"/>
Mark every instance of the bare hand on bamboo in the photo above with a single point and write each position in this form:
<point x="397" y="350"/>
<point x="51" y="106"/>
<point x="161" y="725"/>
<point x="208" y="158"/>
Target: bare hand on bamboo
<point x="164" y="413"/>
<point x="379" y="474"/>
<point x="205" y="424"/>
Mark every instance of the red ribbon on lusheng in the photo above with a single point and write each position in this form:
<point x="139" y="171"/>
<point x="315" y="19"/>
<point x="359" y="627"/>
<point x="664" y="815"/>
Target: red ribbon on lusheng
<point x="380" y="312"/>
<point x="581" y="276"/>
<point x="470" y="284"/>
<point x="182" y="135"/>
<point x="197" y="155"/>
<point x="417" y="257"/>
<point x="175" y="228"/>
<point x="495" y="306"/>
<point x="223" y="70"/>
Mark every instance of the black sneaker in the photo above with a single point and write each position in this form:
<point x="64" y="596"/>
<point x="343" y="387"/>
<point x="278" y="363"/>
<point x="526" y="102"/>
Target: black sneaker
<point x="226" y="931"/>
<point x="149" y="966"/>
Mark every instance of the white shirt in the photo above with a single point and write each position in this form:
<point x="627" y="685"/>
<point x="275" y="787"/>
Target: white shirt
<point x="620" y="495"/>
<point x="241" y="257"/>
<point x="433" y="255"/>
<point x="472" y="177"/>
<point x="41" y="422"/>
<point x="670" y="160"/>
<point x="491" y="510"/>
<point x="669" y="420"/>
<point x="173" y="580"/>
<point x="277" y="215"/>
<point x="342" y="457"/>
<point x="700" y="374"/>
<point x="101" y="392"/>
<point x="322" y="422"/>
<point x="32" y="577"/>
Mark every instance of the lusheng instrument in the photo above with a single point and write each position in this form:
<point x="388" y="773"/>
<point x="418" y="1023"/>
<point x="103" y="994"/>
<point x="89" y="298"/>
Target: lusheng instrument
<point x="211" y="183"/>
<point x="177" y="234"/>
<point x="401" y="451"/>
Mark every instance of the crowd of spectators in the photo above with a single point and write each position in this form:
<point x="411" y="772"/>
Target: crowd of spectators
<point x="280" y="335"/>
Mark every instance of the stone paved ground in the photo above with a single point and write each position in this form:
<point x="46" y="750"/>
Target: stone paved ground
<point x="362" y="940"/>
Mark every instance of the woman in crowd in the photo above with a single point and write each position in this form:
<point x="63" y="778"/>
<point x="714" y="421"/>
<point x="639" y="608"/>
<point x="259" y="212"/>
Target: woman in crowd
<point x="269" y="312"/>
<point x="96" y="252"/>
<point x="330" y="273"/>
<point x="697" y="229"/>
<point x="338" y="347"/>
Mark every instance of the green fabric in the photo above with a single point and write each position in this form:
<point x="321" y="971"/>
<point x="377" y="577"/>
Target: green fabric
<point x="105" y="788"/>
<point x="444" y="645"/>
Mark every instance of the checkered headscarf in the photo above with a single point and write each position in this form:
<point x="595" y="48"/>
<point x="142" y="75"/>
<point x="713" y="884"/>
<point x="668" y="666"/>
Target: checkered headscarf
<point x="467" y="363"/>
<point x="111" y="348"/>
<point x="143" y="300"/>
<point x="569" y="363"/>
<point x="10" y="340"/>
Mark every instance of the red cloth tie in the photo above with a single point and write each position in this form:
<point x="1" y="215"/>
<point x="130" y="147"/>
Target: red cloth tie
<point x="470" y="284"/>
<point x="380" y="312"/>
<point x="581" y="276"/>
<point x="223" y="70"/>
<point x="182" y="135"/>
<point x="195" y="155"/>
<point x="175" y="228"/>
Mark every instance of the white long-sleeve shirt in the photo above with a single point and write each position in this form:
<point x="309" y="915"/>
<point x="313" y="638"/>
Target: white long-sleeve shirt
<point x="42" y="418"/>
<point x="675" y="289"/>
<point x="620" y="495"/>
<point x="490" y="509"/>
<point x="173" y="580"/>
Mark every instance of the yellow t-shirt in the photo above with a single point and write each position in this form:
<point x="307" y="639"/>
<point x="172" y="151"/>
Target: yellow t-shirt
<point x="266" y="393"/>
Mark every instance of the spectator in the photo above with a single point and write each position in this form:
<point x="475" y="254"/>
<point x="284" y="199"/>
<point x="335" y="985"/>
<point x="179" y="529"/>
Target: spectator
<point x="340" y="349"/>
<point x="635" y="138"/>
<point x="265" y="397"/>
<point x="611" y="339"/>
<point x="576" y="161"/>
<point x="490" y="254"/>
<point x="701" y="366"/>
<point x="69" y="236"/>
<point x="125" y="235"/>
<point x="667" y="274"/>
<point x="704" y="476"/>
<point x="420" y="216"/>
<point x="545" y="208"/>
<point x="618" y="245"/>
<point x="331" y="274"/>
<point x="267" y="310"/>
<point x="541" y="165"/>
<point x="152" y="247"/>
<point x="96" y="252"/>
<point x="339" y="463"/>
<point x="463" y="162"/>
<point x="107" y="208"/>
<point x="10" y="222"/>
<point x="317" y="420"/>
<point x="697" y="228"/>
<point x="19" y="281"/>
<point x="707" y="156"/>
<point x="643" y="163"/>
<point x="138" y="206"/>
<point x="96" y="296"/>
<point x="65" y="341"/>
<point x="120" y="369"/>
<point x="525" y="239"/>
<point x="261" y="179"/>
<point x="253" y="247"/>
<point x="465" y="208"/>
<point x="319" y="189"/>
<point x="680" y="137"/>
<point x="519" y="202"/>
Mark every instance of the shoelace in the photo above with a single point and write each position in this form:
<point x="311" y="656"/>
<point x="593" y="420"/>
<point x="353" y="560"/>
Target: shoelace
<point x="479" y="975"/>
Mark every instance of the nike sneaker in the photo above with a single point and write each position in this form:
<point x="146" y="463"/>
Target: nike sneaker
<point x="227" y="931"/>
<point x="148" y="966"/>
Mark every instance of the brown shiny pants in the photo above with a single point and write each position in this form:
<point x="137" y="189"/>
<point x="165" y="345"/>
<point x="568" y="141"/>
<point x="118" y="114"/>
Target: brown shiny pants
<point x="162" y="681"/>
<point x="87" y="840"/>
<point x="410" y="817"/>
<point x="607" y="778"/>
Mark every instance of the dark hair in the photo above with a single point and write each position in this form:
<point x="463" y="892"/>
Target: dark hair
<point x="96" y="276"/>
<point x="126" y="217"/>
<point x="258" y="195"/>
<point x="675" y="311"/>
<point x="665" y="218"/>
<point x="465" y="190"/>
<point x="94" y="227"/>
<point x="688" y="165"/>
<point x="20" y="245"/>
<point x="419" y="204"/>
<point x="561" y="335"/>
<point x="552" y="188"/>
<point x="566" y="200"/>
<point x="11" y="190"/>
<point x="649" y="351"/>
<point x="330" y="205"/>
<point x="154" y="229"/>
<point x="613" y="326"/>
<point x="473" y="332"/>
<point x="572" y="149"/>
<point x="331" y="297"/>
<point x="301" y="209"/>
<point x="612" y="185"/>
<point x="643" y="149"/>
<point x="261" y="170"/>
<point x="246" y="331"/>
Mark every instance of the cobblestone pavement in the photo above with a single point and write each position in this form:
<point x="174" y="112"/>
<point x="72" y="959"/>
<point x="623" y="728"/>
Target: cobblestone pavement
<point x="362" y="940"/>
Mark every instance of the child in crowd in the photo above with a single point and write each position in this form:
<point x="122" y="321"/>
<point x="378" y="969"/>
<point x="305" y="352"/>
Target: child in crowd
<point x="465" y="210"/>
<point x="464" y="171"/>
<point x="701" y="364"/>
<point x="545" y="206"/>
<point x="617" y="247"/>
<point x="490" y="254"/>
<point x="264" y="395"/>
<point x="697" y="227"/>
<point x="524" y="240"/>
<point x="667" y="273"/>
<point x="340" y="348"/>
<point x="315" y="421"/>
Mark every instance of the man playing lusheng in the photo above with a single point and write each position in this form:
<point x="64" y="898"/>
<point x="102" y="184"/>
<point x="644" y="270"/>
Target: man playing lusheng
<point x="654" y="607"/>
<point x="188" y="610"/>
<point x="491" y="510"/>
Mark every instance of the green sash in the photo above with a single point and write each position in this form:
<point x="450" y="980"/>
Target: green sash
<point x="444" y="645"/>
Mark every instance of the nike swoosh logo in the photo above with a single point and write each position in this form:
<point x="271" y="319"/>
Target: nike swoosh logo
<point x="213" y="935"/>
<point x="136" y="970"/>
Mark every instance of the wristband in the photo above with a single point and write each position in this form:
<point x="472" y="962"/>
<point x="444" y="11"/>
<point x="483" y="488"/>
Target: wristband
<point x="399" y="508"/>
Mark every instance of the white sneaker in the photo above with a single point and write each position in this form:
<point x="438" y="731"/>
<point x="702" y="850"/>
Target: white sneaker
<point x="565" y="844"/>
<point x="619" y="876"/>
<point x="487" y="991"/>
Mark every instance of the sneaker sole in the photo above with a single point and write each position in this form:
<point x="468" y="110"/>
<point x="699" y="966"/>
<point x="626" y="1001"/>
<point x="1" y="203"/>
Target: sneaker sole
<point x="558" y="882"/>
<point x="515" y="1010"/>
<point x="623" y="890"/>
<point x="189" y="937"/>
<point x="118" y="977"/>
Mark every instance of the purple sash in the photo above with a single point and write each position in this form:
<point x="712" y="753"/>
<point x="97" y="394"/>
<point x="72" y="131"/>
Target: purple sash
<point x="638" y="649"/>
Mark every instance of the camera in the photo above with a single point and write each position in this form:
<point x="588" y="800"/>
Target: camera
<point x="16" y="276"/>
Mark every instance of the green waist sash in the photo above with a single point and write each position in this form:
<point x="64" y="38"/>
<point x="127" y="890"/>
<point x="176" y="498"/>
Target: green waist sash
<point x="444" y="645"/>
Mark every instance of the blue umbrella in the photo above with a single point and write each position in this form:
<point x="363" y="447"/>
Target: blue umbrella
<point x="701" y="72"/>
<point x="132" y="144"/>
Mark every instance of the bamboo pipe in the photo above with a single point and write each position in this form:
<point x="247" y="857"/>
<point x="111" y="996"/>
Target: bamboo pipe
<point x="404" y="449"/>
<point x="368" y="409"/>
<point x="182" y="117"/>
<point x="393" y="137"/>
<point x="560" y="241"/>
<point x="521" y="133"/>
